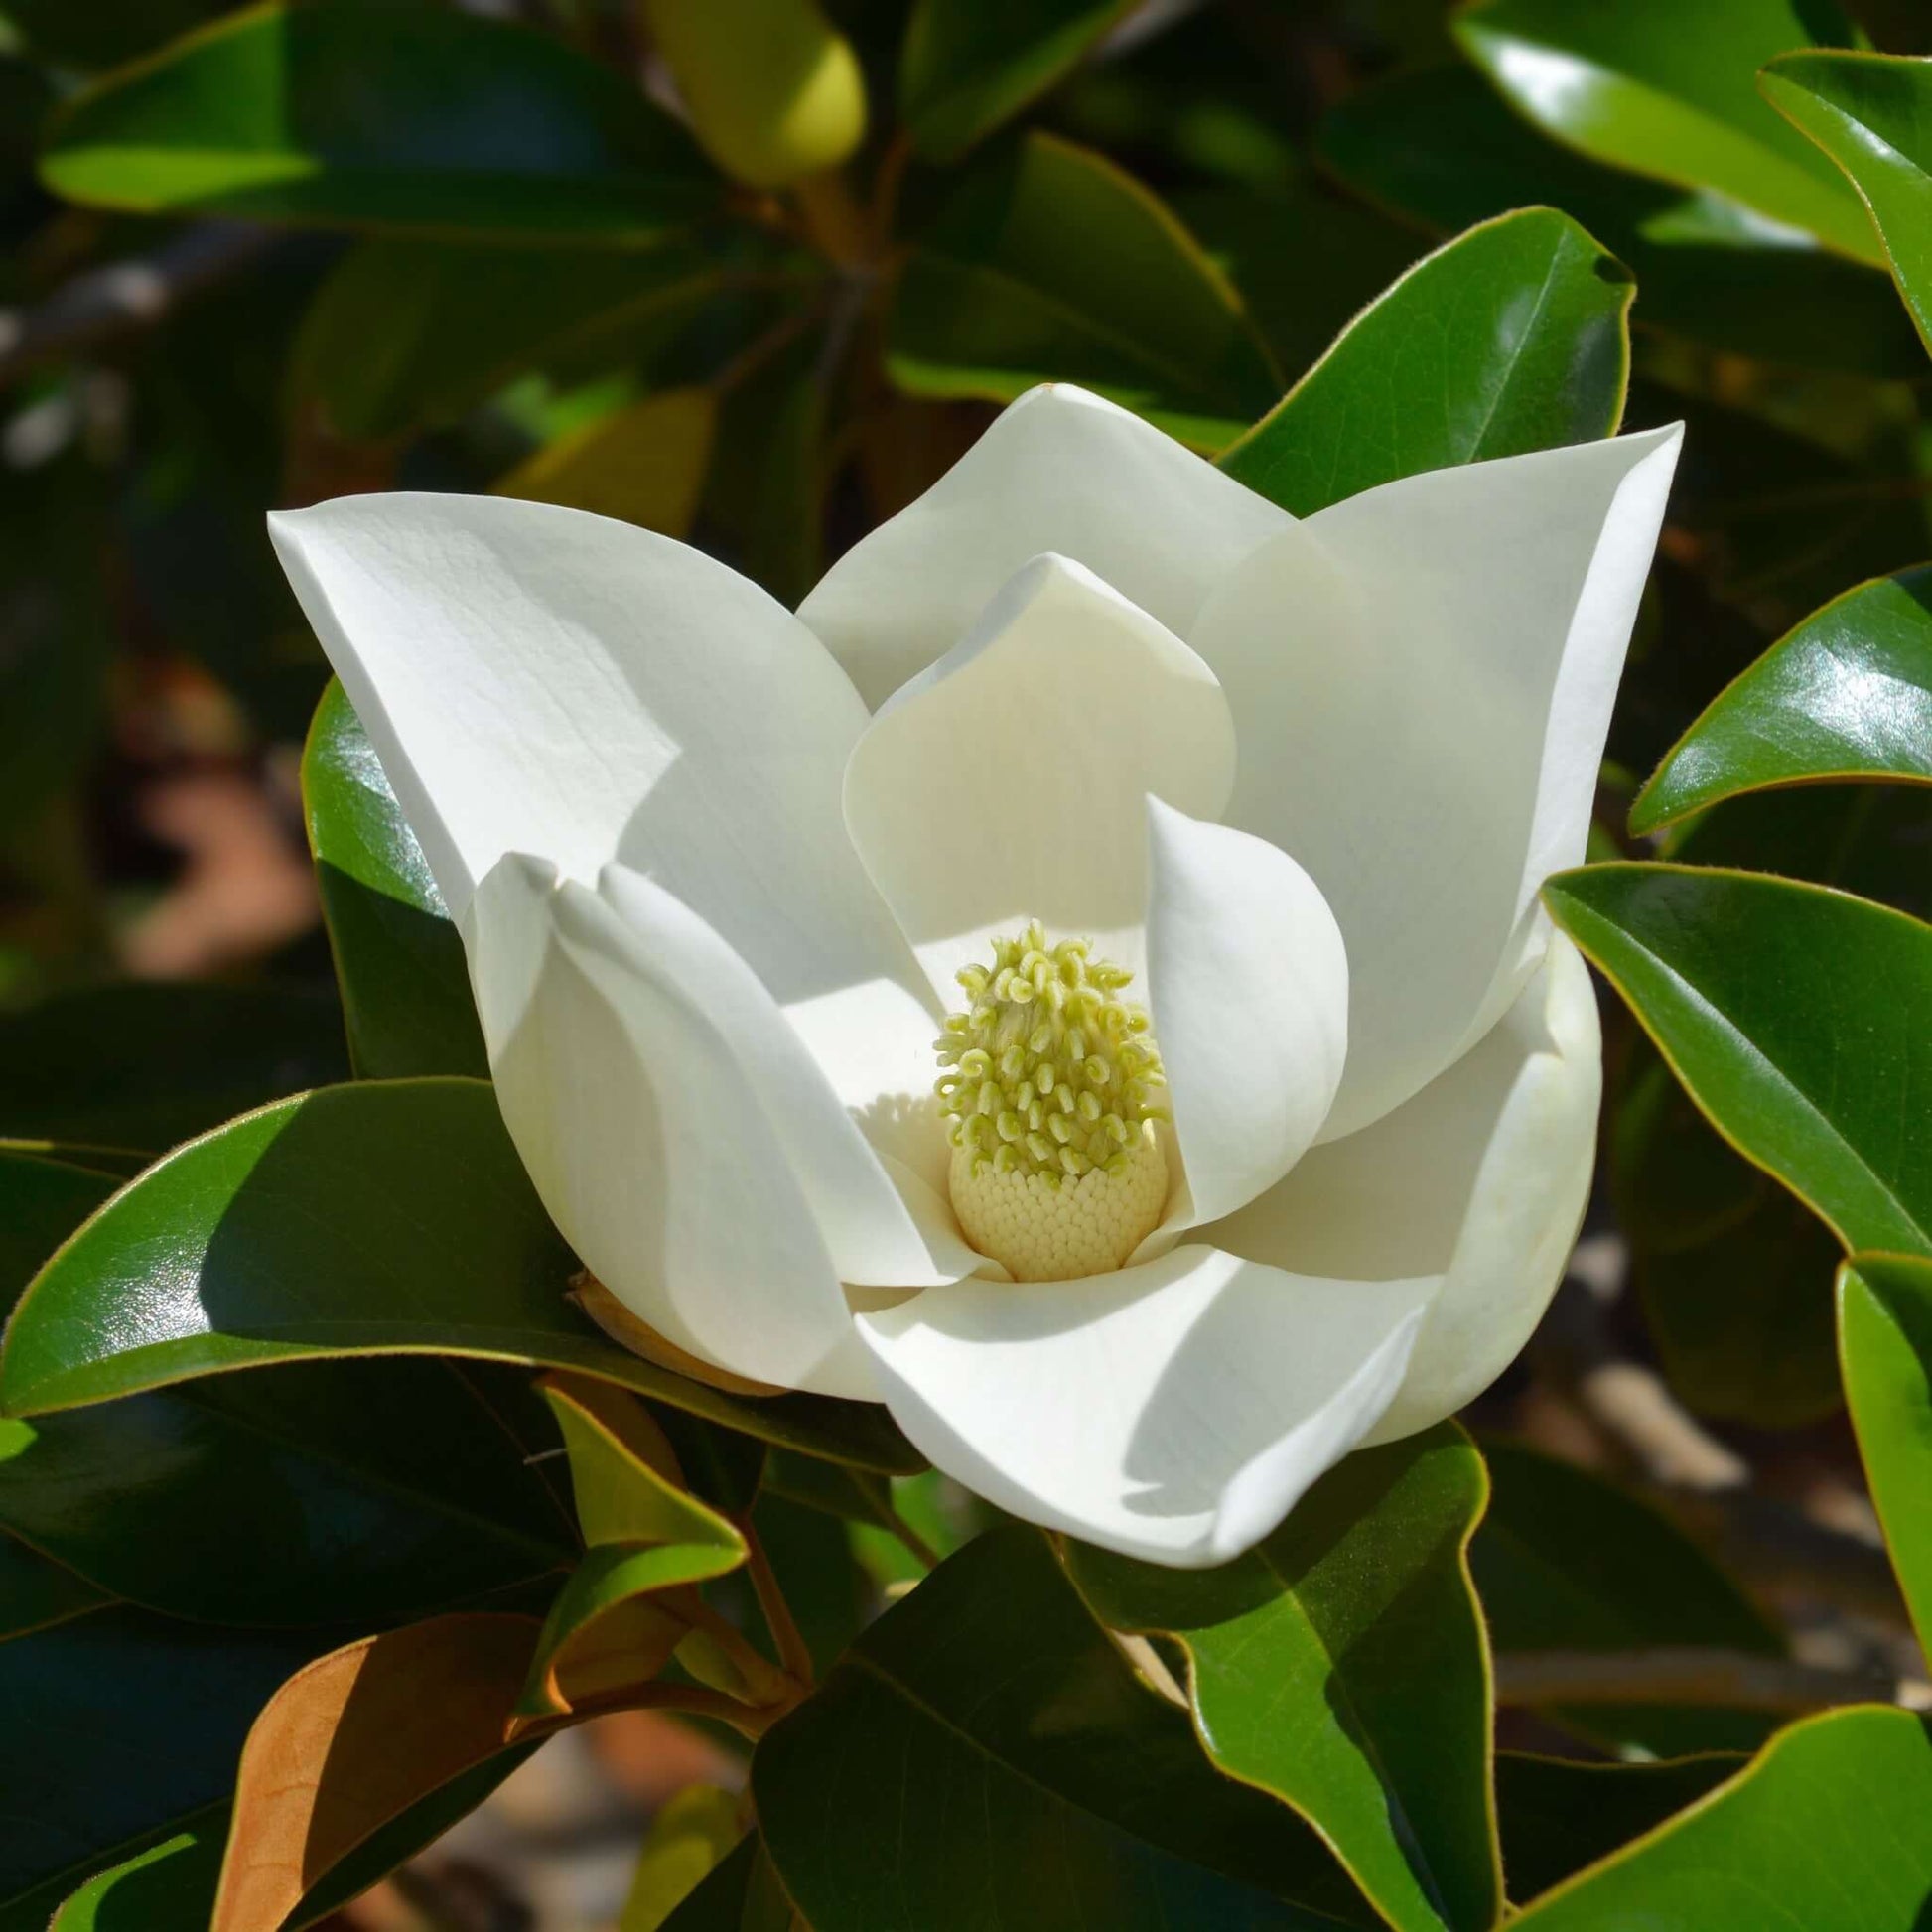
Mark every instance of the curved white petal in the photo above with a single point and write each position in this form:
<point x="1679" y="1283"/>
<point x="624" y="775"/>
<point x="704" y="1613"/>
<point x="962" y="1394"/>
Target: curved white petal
<point x="631" y="1064"/>
<point x="1482" y="1177"/>
<point x="1248" y="991"/>
<point x="540" y="681"/>
<point x="1422" y="677"/>
<point x="1007" y="782"/>
<point x="1175" y="1411"/>
<point x="1059" y="470"/>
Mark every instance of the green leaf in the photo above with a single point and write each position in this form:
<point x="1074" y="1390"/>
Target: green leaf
<point x="1885" y="1316"/>
<point x="1437" y="146"/>
<point x="647" y="1533"/>
<point x="122" y="1732"/>
<point x="458" y="124"/>
<point x="644" y="463"/>
<point x="1826" y="1827"/>
<point x="1794" y="1018"/>
<point x="41" y="1202"/>
<point x="35" y="1592"/>
<point x="1844" y="697"/>
<point x="399" y="960"/>
<point x="1513" y="336"/>
<point x="139" y="1067"/>
<point x="968" y="65"/>
<point x="1566" y="1561"/>
<point x="1048" y="263"/>
<point x="385" y="1218"/>
<point x="993" y="1697"/>
<point x="1873" y="114"/>
<point x="407" y="334"/>
<point x="690" y="1835"/>
<point x="1734" y="1275"/>
<point x="741" y="1894"/>
<point x="167" y="1888"/>
<point x="1559" y="1815"/>
<point x="1341" y="1666"/>
<point x="363" y="1492"/>
<point x="1669" y="92"/>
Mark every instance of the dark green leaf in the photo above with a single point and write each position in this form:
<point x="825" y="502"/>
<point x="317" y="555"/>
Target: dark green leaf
<point x="140" y="1067"/>
<point x="993" y="1697"/>
<point x="398" y="959"/>
<point x="35" y="1592"/>
<point x="1669" y="92"/>
<point x="1825" y="1828"/>
<point x="1873" y="114"/>
<point x="1438" y="147"/>
<point x="1559" y="1816"/>
<point x="1340" y="1665"/>
<point x="41" y="1202"/>
<point x="390" y="1217"/>
<point x="1736" y="1276"/>
<point x="362" y="1492"/>
<point x="1513" y="336"/>
<point x="361" y="114"/>
<point x="122" y="1732"/>
<point x="970" y="64"/>
<point x="1050" y="264"/>
<point x="1794" y="1015"/>
<point x="1845" y="696"/>
<point x="407" y="333"/>
<point x="1566" y="1561"/>
<point x="1884" y="1312"/>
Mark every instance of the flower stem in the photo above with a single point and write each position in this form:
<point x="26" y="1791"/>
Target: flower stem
<point x="793" y="1651"/>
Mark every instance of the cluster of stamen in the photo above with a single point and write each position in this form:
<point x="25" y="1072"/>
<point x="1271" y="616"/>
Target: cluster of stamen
<point x="1048" y="1072"/>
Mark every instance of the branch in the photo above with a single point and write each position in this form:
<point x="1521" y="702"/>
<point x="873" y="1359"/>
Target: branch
<point x="1730" y="1677"/>
<point x="120" y="297"/>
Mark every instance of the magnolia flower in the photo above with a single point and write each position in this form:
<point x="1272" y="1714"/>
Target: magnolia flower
<point x="1080" y="981"/>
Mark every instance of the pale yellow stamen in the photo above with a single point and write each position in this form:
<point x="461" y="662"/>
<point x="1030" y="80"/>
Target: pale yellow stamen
<point x="1050" y="1088"/>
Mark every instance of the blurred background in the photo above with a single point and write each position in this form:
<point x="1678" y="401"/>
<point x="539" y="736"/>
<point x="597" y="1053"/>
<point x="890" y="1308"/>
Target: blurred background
<point x="474" y="248"/>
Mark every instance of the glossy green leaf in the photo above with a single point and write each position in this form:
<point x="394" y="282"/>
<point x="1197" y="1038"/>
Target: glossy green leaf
<point x="1873" y="114"/>
<point x="1048" y="263"/>
<point x="1885" y="1313"/>
<point x="399" y="960"/>
<point x="1566" y="1561"/>
<point x="406" y="334"/>
<point x="1437" y="146"/>
<point x="967" y="65"/>
<point x="1513" y="336"/>
<point x="1844" y="697"/>
<point x="1559" y="1815"/>
<point x="389" y="1217"/>
<point x="1670" y="91"/>
<point x="41" y="1202"/>
<point x="359" y="114"/>
<point x="122" y="1732"/>
<point x="169" y="1887"/>
<point x="143" y="1067"/>
<point x="1341" y="1666"/>
<point x="1734" y="1275"/>
<point x="993" y="1697"/>
<point x="363" y="1492"/>
<point x="1826" y="1827"/>
<point x="1794" y="1016"/>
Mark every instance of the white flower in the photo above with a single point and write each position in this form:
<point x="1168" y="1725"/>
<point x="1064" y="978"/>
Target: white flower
<point x="717" y="868"/>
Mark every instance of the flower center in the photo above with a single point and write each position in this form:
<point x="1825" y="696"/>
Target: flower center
<point x="1050" y="1088"/>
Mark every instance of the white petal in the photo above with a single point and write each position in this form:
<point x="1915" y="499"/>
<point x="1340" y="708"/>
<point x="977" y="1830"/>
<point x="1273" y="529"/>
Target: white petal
<point x="1482" y="1177"/>
<point x="648" y="1140"/>
<point x="1175" y="1411"/>
<point x="539" y="680"/>
<point x="1009" y="780"/>
<point x="1059" y="470"/>
<point x="1248" y="992"/>
<point x="1422" y="677"/>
